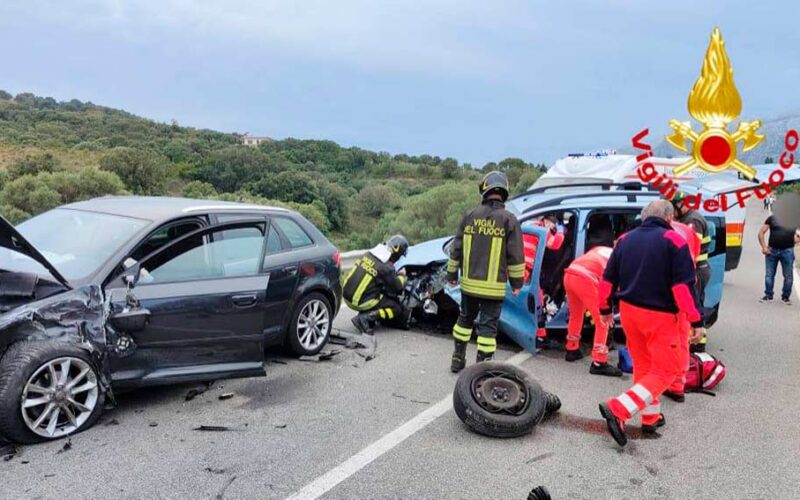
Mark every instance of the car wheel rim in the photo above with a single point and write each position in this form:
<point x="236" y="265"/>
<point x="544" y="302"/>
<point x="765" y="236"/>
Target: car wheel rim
<point x="500" y="392"/>
<point x="313" y="325"/>
<point x="59" y="397"/>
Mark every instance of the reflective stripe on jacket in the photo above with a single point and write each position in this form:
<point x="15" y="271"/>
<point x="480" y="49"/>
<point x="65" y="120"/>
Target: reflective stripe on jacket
<point x="368" y="281"/>
<point x="488" y="249"/>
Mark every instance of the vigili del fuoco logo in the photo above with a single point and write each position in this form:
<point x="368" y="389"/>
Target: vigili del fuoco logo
<point x="714" y="102"/>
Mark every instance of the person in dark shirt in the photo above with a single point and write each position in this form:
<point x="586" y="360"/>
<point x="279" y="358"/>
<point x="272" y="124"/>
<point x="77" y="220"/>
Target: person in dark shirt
<point x="779" y="248"/>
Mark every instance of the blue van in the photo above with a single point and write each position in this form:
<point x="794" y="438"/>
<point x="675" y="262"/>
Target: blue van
<point x="590" y="215"/>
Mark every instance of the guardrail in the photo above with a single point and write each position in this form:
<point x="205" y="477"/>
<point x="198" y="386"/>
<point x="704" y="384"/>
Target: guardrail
<point x="350" y="258"/>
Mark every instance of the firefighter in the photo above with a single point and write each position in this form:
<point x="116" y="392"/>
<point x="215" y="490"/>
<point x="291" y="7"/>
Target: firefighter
<point x="372" y="286"/>
<point x="652" y="274"/>
<point x="554" y="241"/>
<point x="689" y="216"/>
<point x="488" y="250"/>
<point x="581" y="281"/>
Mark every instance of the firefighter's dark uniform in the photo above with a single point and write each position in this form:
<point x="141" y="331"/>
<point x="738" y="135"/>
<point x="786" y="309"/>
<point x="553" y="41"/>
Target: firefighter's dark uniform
<point x="372" y="286"/>
<point x="697" y="222"/>
<point x="488" y="250"/>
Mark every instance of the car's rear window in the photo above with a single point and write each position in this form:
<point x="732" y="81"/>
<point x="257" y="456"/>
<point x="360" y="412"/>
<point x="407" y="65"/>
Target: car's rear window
<point x="294" y="233"/>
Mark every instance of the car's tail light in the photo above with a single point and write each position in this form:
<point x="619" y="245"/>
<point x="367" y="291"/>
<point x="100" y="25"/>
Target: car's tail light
<point x="337" y="258"/>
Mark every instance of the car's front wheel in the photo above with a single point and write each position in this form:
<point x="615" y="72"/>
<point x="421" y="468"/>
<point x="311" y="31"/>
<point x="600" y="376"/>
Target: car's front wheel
<point x="310" y="326"/>
<point x="48" y="390"/>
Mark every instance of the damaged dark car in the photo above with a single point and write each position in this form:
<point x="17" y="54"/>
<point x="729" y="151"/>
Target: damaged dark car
<point x="123" y="292"/>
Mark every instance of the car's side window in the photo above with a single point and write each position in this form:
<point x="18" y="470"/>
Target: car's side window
<point x="220" y="254"/>
<point x="274" y="244"/>
<point x="295" y="235"/>
<point x="165" y="235"/>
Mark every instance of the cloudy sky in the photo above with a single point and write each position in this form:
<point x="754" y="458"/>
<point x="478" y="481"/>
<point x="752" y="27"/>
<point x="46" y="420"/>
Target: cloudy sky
<point x="473" y="79"/>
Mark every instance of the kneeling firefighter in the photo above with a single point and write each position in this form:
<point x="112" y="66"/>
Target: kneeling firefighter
<point x="373" y="285"/>
<point x="488" y="250"/>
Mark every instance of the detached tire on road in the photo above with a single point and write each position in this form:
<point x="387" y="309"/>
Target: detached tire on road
<point x="499" y="400"/>
<point x="310" y="325"/>
<point x="48" y="390"/>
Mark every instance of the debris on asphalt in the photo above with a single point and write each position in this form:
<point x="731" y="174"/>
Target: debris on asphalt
<point x="227" y="395"/>
<point x="153" y="424"/>
<point x="215" y="470"/>
<point x="395" y="395"/>
<point x="113" y="421"/>
<point x="420" y="401"/>
<point x="197" y="390"/>
<point x="354" y="344"/>
<point x="227" y="484"/>
<point x="367" y="357"/>
<point x="212" y="428"/>
<point x="7" y="450"/>
<point x="49" y="475"/>
<point x="280" y="426"/>
<point x="540" y="457"/>
<point x="338" y="340"/>
<point x="279" y="362"/>
<point x="67" y="446"/>
<point x="323" y="356"/>
<point x="25" y="462"/>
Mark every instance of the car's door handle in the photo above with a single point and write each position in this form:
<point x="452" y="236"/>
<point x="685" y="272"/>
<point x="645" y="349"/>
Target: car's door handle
<point x="244" y="300"/>
<point x="292" y="270"/>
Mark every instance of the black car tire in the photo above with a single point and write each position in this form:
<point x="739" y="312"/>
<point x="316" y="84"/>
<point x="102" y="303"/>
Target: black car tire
<point x="19" y="363"/>
<point x="293" y="337"/>
<point x="500" y="424"/>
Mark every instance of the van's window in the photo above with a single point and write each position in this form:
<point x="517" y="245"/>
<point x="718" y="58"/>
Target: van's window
<point x="220" y="254"/>
<point x="293" y="232"/>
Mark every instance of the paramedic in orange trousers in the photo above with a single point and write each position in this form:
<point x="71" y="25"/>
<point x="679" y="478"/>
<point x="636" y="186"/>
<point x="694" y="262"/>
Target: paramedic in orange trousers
<point x="652" y="274"/>
<point x="581" y="282"/>
<point x="676" y="391"/>
<point x="553" y="241"/>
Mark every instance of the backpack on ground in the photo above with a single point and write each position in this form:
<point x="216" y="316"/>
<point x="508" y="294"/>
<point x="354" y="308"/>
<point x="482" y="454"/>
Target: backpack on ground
<point x="705" y="373"/>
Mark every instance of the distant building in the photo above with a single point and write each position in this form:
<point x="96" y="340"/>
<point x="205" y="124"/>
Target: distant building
<point x="252" y="140"/>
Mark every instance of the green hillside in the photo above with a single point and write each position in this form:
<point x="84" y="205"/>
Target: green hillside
<point x="57" y="152"/>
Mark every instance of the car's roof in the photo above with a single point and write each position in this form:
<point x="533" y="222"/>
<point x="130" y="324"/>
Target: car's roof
<point x="157" y="208"/>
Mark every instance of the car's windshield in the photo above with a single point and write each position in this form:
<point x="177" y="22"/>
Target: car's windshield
<point x="75" y="242"/>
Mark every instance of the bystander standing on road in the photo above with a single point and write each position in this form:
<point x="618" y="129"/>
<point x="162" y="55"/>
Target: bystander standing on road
<point x="778" y="248"/>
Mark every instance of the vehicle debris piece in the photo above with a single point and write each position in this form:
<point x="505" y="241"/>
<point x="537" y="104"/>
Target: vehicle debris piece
<point x="227" y="395"/>
<point x="327" y="356"/>
<point x="197" y="390"/>
<point x="113" y="421"/>
<point x="153" y="424"/>
<point x="227" y="484"/>
<point x="215" y="470"/>
<point x="498" y="399"/>
<point x="280" y="426"/>
<point x="279" y="362"/>
<point x="539" y="493"/>
<point x="212" y="428"/>
<point x="67" y="446"/>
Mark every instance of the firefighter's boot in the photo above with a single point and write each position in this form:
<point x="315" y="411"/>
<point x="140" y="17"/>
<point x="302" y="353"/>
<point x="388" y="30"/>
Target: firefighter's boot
<point x="459" y="360"/>
<point x="484" y="356"/>
<point x="365" y="321"/>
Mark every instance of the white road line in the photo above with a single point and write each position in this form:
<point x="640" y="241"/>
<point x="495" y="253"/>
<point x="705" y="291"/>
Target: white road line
<point x="330" y="479"/>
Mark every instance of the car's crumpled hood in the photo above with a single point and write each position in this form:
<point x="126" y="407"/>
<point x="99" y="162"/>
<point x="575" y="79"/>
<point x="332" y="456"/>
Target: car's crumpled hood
<point x="77" y="317"/>
<point x="11" y="238"/>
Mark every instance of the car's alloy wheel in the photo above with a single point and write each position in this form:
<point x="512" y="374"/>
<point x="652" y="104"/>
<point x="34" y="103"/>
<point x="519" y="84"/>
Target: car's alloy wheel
<point x="313" y="324"/>
<point x="59" y="397"/>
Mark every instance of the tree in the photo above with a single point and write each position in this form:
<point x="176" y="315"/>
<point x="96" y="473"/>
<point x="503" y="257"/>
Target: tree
<point x="298" y="187"/>
<point x="143" y="172"/>
<point x="525" y="181"/>
<point x="199" y="190"/>
<point x="5" y="95"/>
<point x="449" y="168"/>
<point x="34" y="164"/>
<point x="83" y="185"/>
<point x="30" y="195"/>
<point x="375" y="200"/>
<point x="231" y="168"/>
<point x="13" y="214"/>
<point x="336" y="201"/>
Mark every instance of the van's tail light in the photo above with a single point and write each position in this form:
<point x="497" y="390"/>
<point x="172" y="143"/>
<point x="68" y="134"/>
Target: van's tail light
<point x="337" y="258"/>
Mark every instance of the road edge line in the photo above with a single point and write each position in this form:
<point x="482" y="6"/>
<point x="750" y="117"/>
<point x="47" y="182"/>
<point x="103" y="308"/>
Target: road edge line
<point x="387" y="442"/>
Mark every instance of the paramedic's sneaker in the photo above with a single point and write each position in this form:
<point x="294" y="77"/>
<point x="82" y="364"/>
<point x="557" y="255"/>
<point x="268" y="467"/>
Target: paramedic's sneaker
<point x="574" y="355"/>
<point x="678" y="397"/>
<point x="604" y="369"/>
<point x="765" y="299"/>
<point x="786" y="301"/>
<point x="616" y="427"/>
<point x="651" y="429"/>
<point x="546" y="344"/>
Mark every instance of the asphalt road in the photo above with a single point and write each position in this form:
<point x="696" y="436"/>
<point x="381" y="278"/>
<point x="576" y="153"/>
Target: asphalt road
<point x="306" y="419"/>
